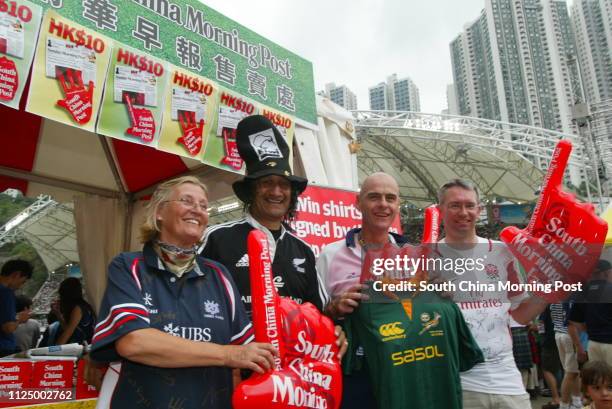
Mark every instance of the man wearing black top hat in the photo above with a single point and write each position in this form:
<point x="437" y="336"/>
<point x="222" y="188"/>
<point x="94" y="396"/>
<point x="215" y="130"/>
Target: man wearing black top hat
<point x="269" y="192"/>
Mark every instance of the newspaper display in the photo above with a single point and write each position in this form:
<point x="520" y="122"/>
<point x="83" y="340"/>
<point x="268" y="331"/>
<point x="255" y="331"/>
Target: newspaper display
<point x="139" y="85"/>
<point x="62" y="55"/>
<point x="188" y="101"/>
<point x="68" y="73"/>
<point x="19" y="26"/>
<point x="12" y="36"/>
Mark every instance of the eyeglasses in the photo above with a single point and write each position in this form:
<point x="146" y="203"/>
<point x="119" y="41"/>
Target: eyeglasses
<point x="456" y="207"/>
<point x="190" y="203"/>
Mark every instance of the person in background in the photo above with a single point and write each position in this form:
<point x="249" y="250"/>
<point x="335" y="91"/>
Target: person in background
<point x="12" y="277"/>
<point x="549" y="354"/>
<point x="593" y="313"/>
<point x="597" y="385"/>
<point x="76" y="316"/>
<point x="570" y="385"/>
<point x="49" y="337"/>
<point x="521" y="349"/>
<point x="28" y="332"/>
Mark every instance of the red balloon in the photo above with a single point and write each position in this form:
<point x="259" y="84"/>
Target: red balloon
<point x="307" y="372"/>
<point x="564" y="238"/>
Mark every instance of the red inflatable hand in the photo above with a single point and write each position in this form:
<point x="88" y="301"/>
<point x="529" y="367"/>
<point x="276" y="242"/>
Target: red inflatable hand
<point x="78" y="99"/>
<point x="307" y="372"/>
<point x="192" y="132"/>
<point x="143" y="123"/>
<point x="564" y="238"/>
<point x="9" y="80"/>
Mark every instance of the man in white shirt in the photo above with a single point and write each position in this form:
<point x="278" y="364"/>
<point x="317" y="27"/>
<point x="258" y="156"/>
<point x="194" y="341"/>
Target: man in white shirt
<point x="495" y="383"/>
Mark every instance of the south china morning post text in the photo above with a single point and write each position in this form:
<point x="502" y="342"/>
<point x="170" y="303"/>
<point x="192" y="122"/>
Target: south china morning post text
<point x="393" y="274"/>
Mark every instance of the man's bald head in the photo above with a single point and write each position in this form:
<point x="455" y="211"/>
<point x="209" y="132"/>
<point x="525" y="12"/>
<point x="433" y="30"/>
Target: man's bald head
<point x="378" y="201"/>
<point x="378" y="178"/>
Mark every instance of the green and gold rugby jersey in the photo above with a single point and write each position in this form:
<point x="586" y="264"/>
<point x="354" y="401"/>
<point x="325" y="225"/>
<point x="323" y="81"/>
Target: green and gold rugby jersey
<point x="414" y="348"/>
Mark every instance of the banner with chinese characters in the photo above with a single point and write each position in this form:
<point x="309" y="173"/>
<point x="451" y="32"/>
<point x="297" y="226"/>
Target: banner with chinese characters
<point x="221" y="150"/>
<point x="189" y="34"/>
<point x="134" y="97"/>
<point x="19" y="25"/>
<point x="190" y="112"/>
<point x="69" y="72"/>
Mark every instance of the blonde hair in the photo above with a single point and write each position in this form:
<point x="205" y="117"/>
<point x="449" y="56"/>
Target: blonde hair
<point x="149" y="229"/>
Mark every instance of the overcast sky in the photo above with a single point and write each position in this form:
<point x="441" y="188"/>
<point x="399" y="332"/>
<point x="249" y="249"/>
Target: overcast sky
<point x="359" y="43"/>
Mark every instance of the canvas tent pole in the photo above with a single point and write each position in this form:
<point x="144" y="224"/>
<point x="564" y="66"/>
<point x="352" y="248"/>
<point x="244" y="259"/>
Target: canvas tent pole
<point x="126" y="197"/>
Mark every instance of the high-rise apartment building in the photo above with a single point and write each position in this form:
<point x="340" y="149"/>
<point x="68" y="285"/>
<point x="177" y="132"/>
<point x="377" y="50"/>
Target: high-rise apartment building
<point x="516" y="63"/>
<point x="341" y="95"/>
<point x="592" y="23"/>
<point x="395" y="95"/>
<point x="451" y="100"/>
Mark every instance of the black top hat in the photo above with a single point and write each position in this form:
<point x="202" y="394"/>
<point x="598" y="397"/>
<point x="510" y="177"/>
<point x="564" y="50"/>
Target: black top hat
<point x="265" y="152"/>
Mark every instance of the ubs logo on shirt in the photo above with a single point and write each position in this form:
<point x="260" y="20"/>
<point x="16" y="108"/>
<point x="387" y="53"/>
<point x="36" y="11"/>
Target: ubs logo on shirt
<point x="191" y="333"/>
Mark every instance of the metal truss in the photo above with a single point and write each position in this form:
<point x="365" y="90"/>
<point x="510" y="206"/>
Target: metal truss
<point x="416" y="147"/>
<point x="43" y="212"/>
<point x="12" y="230"/>
<point x="535" y="144"/>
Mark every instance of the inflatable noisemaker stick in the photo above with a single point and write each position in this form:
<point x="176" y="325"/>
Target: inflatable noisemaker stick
<point x="307" y="372"/>
<point x="564" y="238"/>
<point x="431" y="233"/>
<point x="265" y="301"/>
<point x="431" y="227"/>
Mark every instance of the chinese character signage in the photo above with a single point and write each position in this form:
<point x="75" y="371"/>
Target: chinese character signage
<point x="190" y="35"/>
<point x="19" y="25"/>
<point x="190" y="112"/>
<point x="69" y="72"/>
<point x="134" y="98"/>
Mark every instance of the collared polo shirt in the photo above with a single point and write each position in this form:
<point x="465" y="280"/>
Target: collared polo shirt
<point x="203" y="306"/>
<point x="339" y="264"/>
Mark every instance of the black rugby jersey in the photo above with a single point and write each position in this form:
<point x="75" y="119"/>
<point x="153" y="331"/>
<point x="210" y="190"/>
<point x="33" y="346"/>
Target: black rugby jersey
<point x="293" y="265"/>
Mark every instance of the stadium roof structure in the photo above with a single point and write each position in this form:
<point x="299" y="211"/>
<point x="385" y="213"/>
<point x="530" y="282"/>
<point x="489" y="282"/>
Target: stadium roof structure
<point x="423" y="151"/>
<point x="49" y="227"/>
